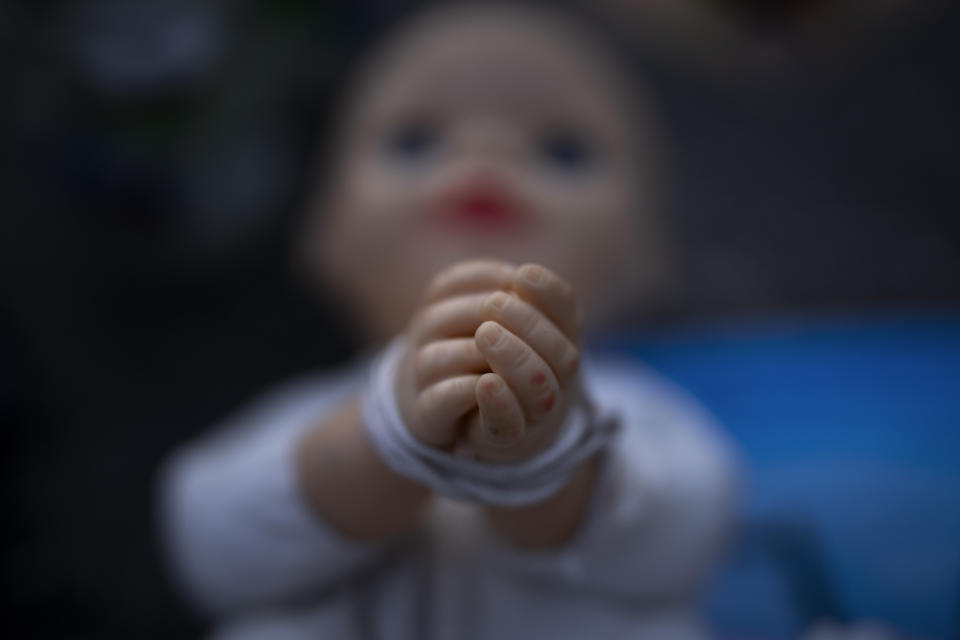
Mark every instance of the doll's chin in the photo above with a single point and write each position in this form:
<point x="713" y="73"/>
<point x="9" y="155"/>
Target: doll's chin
<point x="445" y="248"/>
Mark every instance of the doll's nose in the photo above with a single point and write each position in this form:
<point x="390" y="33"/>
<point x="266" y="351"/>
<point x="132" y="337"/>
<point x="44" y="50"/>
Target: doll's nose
<point x="486" y="140"/>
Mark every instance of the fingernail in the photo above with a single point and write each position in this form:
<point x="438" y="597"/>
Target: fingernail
<point x="547" y="403"/>
<point x="532" y="274"/>
<point x="490" y="333"/>
<point x="492" y="386"/>
<point x="498" y="300"/>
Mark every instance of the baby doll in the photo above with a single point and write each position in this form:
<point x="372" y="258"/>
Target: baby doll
<point x="490" y="170"/>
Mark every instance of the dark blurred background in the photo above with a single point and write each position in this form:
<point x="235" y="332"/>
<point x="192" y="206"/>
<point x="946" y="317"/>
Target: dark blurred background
<point x="155" y="155"/>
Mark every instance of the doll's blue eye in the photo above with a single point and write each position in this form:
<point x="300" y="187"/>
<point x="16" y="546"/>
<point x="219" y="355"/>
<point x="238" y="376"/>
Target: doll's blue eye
<point x="412" y="142"/>
<point x="566" y="152"/>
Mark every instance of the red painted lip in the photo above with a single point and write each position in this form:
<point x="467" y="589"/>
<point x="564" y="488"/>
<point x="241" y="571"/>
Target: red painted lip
<point x="482" y="207"/>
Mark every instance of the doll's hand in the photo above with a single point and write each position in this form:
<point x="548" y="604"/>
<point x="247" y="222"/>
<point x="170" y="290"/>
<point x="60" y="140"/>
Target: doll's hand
<point x="529" y="338"/>
<point x="522" y="381"/>
<point x="441" y="366"/>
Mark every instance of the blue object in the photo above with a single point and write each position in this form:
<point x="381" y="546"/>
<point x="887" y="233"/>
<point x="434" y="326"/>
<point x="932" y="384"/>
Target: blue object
<point x="850" y="430"/>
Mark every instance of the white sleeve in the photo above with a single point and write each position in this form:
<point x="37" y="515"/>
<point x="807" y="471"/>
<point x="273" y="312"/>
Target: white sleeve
<point x="664" y="505"/>
<point x="235" y="528"/>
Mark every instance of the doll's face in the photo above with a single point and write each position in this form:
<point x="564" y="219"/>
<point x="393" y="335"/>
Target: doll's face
<point x="486" y="133"/>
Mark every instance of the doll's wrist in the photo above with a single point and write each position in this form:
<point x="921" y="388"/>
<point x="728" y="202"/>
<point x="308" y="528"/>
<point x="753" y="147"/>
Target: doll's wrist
<point x="583" y="433"/>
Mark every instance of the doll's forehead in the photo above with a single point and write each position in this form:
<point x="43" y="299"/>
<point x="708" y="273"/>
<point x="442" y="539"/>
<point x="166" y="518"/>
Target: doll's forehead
<point x="502" y="58"/>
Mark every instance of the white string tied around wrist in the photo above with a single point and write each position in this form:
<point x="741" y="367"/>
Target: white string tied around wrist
<point x="583" y="433"/>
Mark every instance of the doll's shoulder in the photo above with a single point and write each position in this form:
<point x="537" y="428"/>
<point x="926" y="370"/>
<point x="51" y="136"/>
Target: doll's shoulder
<point x="284" y="408"/>
<point x="660" y="420"/>
<point x="636" y="391"/>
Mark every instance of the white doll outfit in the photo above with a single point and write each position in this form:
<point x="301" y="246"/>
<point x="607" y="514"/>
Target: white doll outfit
<point x="245" y="548"/>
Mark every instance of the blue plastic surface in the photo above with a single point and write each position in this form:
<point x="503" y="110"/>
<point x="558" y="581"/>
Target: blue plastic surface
<point x="851" y="426"/>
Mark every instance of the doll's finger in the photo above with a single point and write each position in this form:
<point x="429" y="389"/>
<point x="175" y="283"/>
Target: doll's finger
<point x="525" y="372"/>
<point x="471" y="276"/>
<point x="551" y="294"/>
<point x="530" y="325"/>
<point x="453" y="317"/>
<point x="500" y="448"/>
<point x="500" y="411"/>
<point x="446" y="358"/>
<point x="440" y="406"/>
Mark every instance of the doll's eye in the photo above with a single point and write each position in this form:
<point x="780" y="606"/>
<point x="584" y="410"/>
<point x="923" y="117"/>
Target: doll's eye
<point x="565" y="151"/>
<point x="412" y="142"/>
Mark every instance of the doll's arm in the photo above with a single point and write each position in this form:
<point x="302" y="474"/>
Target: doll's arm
<point x="346" y="483"/>
<point x="660" y="514"/>
<point x="552" y="523"/>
